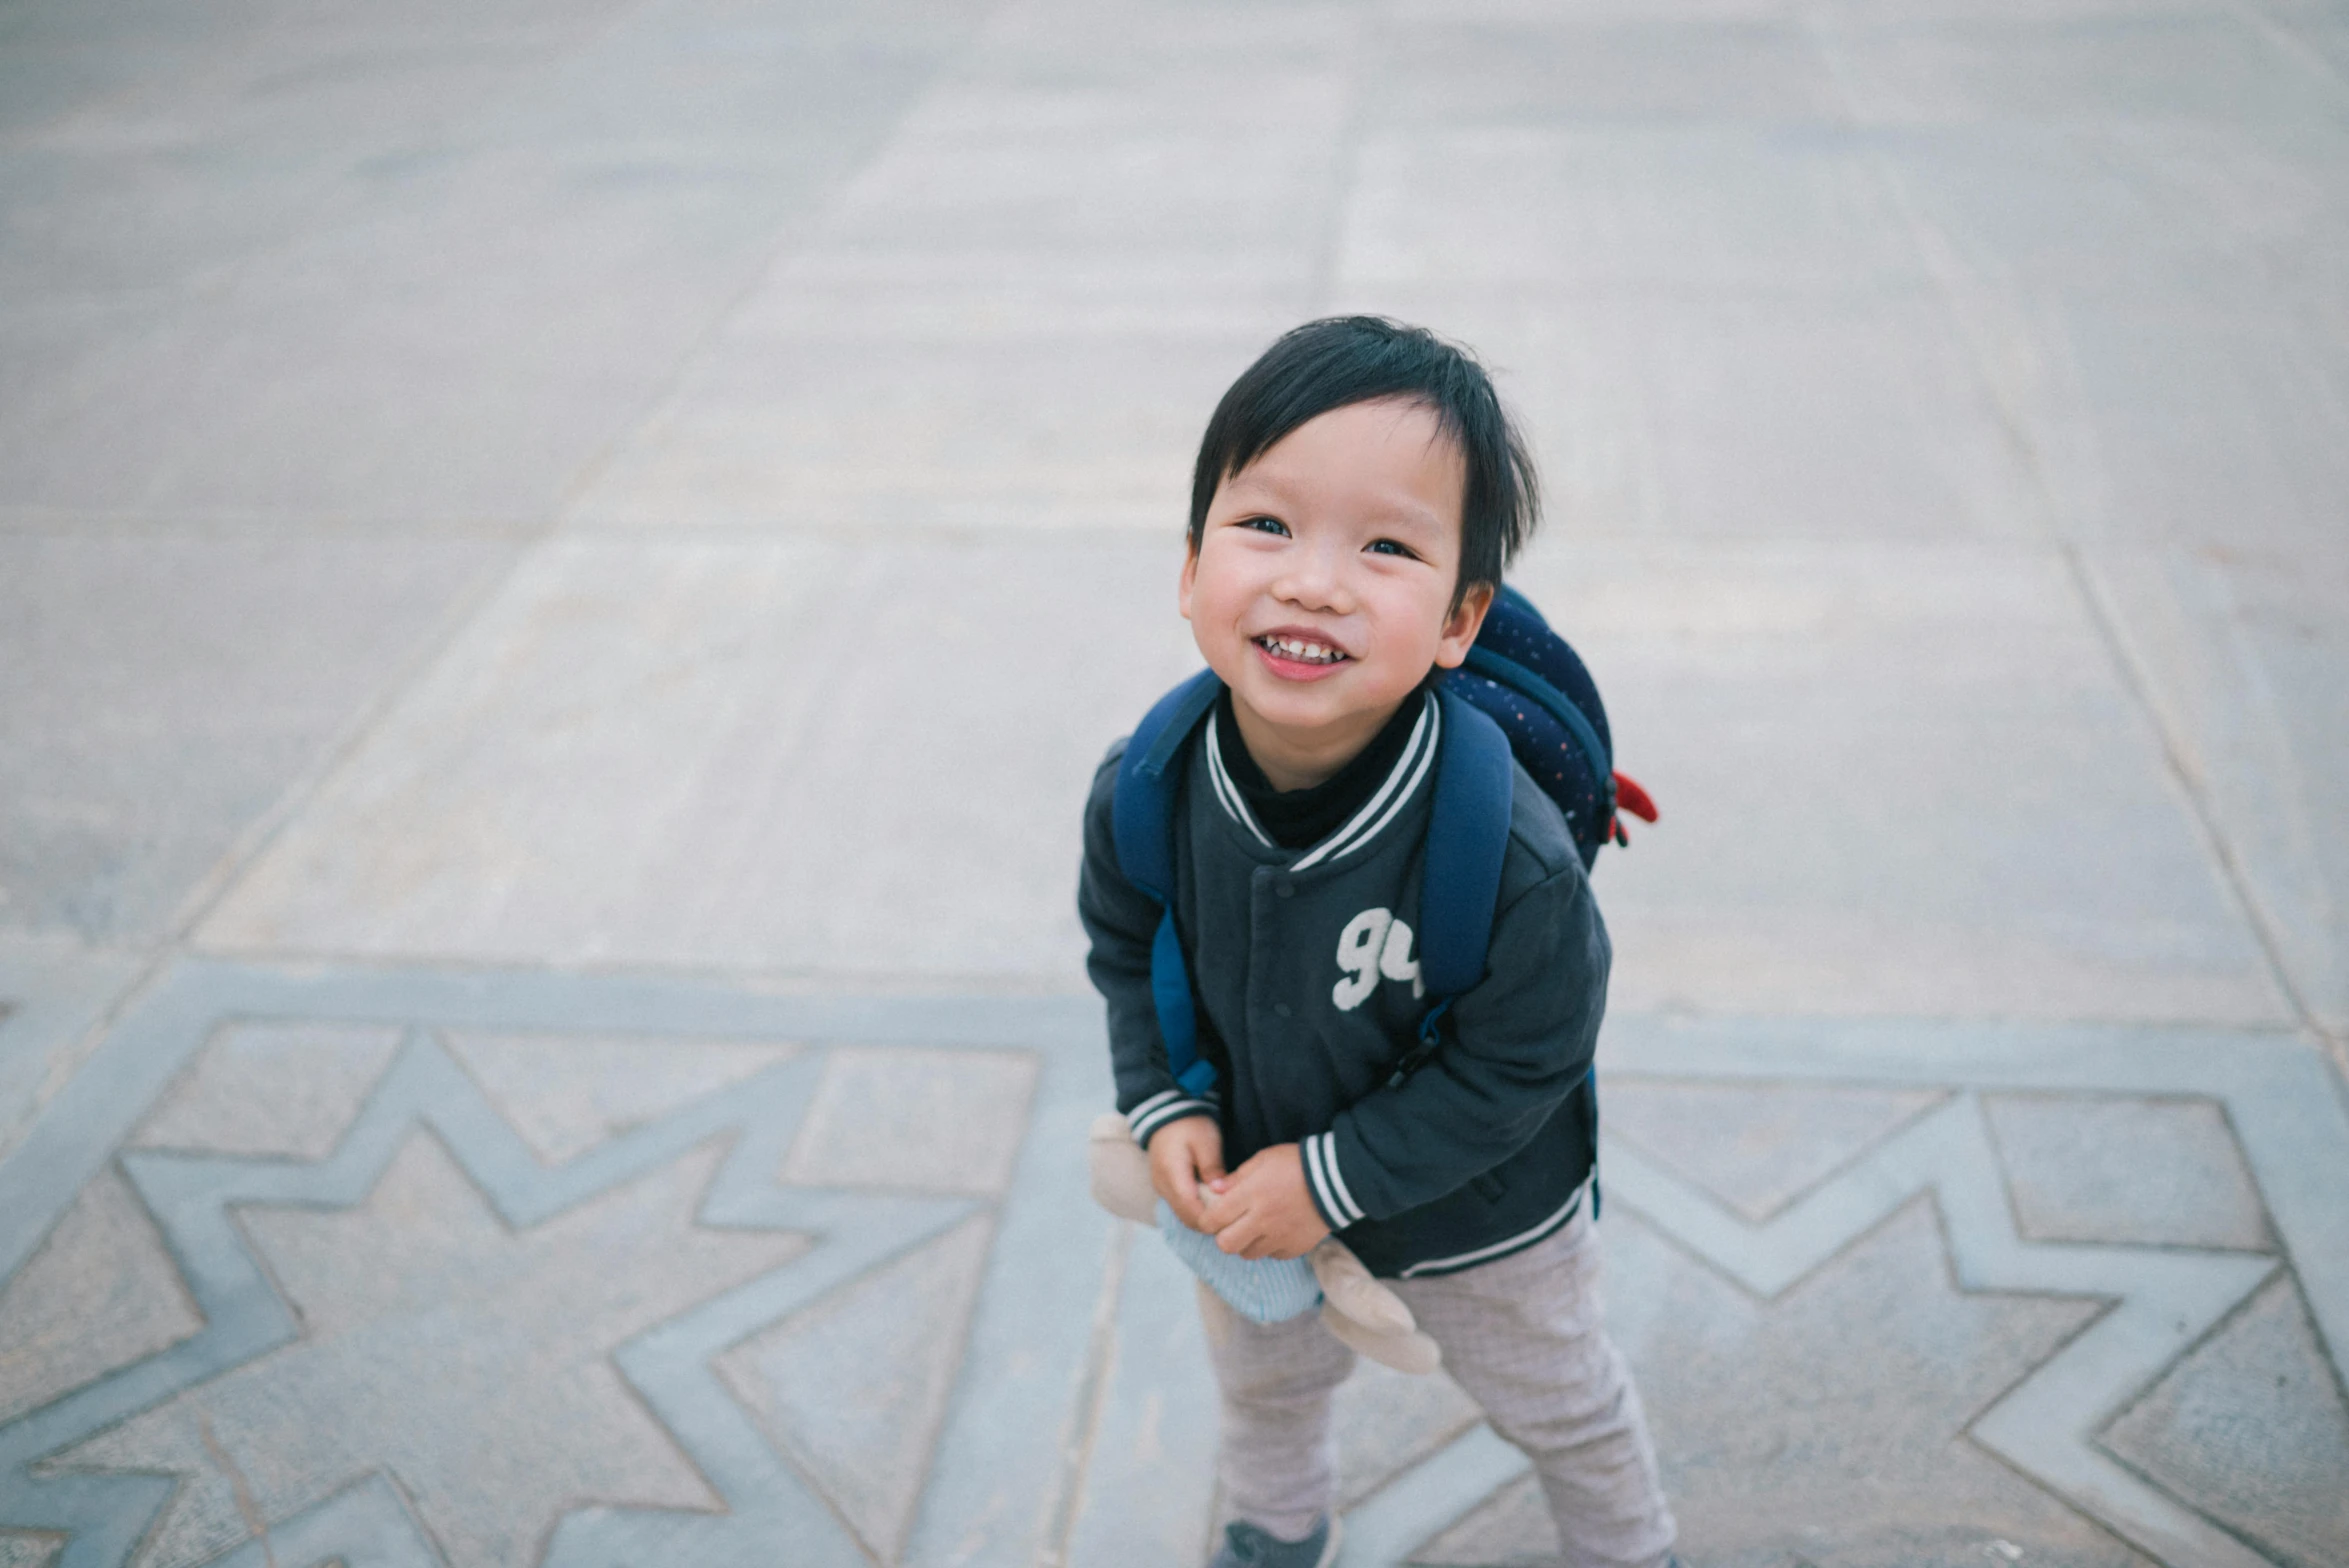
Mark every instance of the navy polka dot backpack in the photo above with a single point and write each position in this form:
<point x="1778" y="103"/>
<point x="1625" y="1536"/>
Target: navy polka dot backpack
<point x="1531" y="683"/>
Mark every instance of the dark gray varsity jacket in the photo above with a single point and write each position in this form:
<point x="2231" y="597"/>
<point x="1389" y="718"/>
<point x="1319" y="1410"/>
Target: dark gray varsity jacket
<point x="1305" y="972"/>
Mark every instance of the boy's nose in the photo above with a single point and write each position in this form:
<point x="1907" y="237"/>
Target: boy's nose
<point x="1314" y="579"/>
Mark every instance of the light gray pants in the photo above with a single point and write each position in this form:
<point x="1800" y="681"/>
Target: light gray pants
<point x="1522" y="1335"/>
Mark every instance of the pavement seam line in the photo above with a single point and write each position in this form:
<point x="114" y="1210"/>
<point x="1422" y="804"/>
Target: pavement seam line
<point x="2136" y="682"/>
<point x="1091" y="1402"/>
<point x="248" y="1509"/>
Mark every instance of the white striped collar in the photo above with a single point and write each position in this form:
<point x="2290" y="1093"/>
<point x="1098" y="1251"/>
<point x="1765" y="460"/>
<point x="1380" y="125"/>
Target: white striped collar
<point x="1227" y="791"/>
<point x="1401" y="783"/>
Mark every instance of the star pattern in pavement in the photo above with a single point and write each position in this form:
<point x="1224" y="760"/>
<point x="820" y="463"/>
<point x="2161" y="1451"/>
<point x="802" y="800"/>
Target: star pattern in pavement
<point x="2007" y="1357"/>
<point x="469" y="1361"/>
<point x="433" y="1333"/>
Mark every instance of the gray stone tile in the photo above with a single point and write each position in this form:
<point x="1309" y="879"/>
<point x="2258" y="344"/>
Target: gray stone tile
<point x="271" y="1088"/>
<point x="75" y="70"/>
<point x="870" y="433"/>
<point x="89" y="222"/>
<point x="2153" y="223"/>
<point x="2193" y="63"/>
<point x="1162" y="165"/>
<point x="2117" y="1170"/>
<point x="100" y="1294"/>
<point x="1757" y="1150"/>
<point x="1567" y="67"/>
<point x="439" y="329"/>
<point x="942" y="293"/>
<point x="2214" y="426"/>
<point x="567" y="1093"/>
<point x="1538" y="12"/>
<point x="161" y="692"/>
<point x="1021" y="309"/>
<point x="735" y="753"/>
<point x="1860" y="415"/>
<point x="1665" y="207"/>
<point x="2045" y="13"/>
<point x="2252" y="1429"/>
<point x="348" y="377"/>
<point x="1893" y="780"/>
<point x="1125" y="47"/>
<point x="852" y="1389"/>
<point x="949" y="1121"/>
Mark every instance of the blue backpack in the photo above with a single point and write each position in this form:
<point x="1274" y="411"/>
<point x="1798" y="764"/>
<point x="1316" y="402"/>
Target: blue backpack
<point x="1522" y="693"/>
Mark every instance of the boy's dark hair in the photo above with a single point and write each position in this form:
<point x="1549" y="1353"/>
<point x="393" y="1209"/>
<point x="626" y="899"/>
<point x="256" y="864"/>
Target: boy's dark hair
<point x="1342" y="360"/>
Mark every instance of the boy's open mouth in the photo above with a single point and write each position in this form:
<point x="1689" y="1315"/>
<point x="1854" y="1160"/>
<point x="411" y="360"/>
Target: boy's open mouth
<point x="1302" y="650"/>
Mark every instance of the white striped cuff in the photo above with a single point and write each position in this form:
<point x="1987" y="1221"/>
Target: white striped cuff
<point x="1329" y="1188"/>
<point x="1165" y="1106"/>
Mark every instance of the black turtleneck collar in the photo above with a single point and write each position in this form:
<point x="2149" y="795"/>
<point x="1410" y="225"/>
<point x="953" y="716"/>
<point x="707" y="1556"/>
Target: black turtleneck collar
<point x="1301" y="818"/>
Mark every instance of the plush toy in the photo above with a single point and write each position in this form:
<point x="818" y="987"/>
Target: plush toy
<point x="1364" y="1314"/>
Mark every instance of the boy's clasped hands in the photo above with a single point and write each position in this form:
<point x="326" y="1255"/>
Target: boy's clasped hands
<point x="1261" y="1210"/>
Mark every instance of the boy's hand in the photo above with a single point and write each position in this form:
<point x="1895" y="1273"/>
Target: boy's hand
<point x="1262" y="1210"/>
<point x="1184" y="1157"/>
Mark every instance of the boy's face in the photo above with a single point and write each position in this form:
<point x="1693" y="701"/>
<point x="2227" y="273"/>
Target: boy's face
<point x="1321" y="589"/>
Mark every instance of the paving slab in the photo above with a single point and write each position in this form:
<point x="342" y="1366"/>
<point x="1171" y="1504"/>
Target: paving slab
<point x="2186" y="63"/>
<point x="872" y="433"/>
<point x="755" y="780"/>
<point x="1965" y="811"/>
<point x="1660" y="206"/>
<point x="842" y="1367"/>
<point x="1854" y="414"/>
<point x="427" y="317"/>
<point x="1019" y="310"/>
<point x="161" y="692"/>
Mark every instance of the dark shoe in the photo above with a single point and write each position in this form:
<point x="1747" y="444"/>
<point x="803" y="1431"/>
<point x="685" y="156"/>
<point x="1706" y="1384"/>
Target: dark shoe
<point x="1245" y="1546"/>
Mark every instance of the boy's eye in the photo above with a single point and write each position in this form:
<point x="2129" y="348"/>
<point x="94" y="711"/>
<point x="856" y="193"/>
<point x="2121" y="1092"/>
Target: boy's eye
<point x="1269" y="525"/>
<point x="1390" y="547"/>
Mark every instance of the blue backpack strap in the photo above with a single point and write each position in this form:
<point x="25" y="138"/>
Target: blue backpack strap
<point x="1142" y="823"/>
<point x="1467" y="840"/>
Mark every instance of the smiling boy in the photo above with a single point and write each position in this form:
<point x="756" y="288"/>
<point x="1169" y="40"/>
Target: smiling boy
<point x="1357" y="494"/>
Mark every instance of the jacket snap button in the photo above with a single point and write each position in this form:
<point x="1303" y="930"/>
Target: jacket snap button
<point x="1285" y="889"/>
<point x="1282" y="1008"/>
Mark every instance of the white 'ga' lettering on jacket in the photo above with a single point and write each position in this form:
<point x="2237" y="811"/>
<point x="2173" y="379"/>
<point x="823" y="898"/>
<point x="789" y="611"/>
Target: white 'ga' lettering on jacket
<point x="1374" y="943"/>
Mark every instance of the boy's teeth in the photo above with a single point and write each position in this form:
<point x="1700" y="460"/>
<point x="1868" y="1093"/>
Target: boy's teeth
<point x="1311" y="652"/>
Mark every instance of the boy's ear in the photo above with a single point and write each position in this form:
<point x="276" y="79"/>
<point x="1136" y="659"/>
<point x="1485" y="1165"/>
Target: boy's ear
<point x="1189" y="577"/>
<point x="1462" y="625"/>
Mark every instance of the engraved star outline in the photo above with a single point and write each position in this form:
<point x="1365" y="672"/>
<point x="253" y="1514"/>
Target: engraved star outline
<point x="2162" y="1300"/>
<point x="105" y="1515"/>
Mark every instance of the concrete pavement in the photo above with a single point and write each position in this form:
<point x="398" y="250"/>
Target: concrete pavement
<point x="564" y="565"/>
